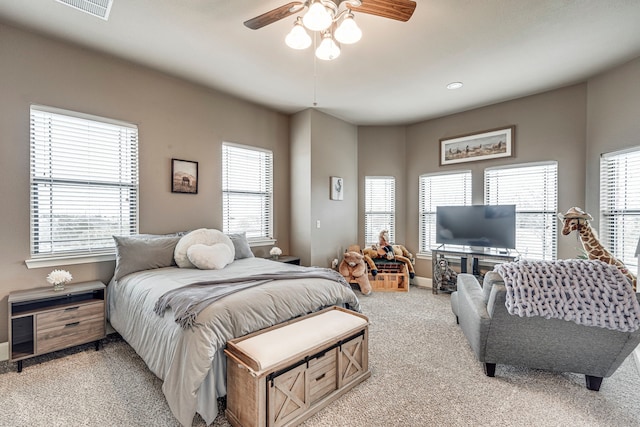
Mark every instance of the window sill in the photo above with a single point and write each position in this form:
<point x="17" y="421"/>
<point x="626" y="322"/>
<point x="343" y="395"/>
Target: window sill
<point x="68" y="260"/>
<point x="262" y="242"/>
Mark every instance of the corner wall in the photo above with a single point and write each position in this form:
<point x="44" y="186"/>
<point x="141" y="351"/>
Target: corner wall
<point x="613" y="123"/>
<point x="323" y="146"/>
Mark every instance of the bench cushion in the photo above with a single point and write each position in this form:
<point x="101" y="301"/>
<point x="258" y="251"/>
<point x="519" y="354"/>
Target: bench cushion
<point x="276" y="345"/>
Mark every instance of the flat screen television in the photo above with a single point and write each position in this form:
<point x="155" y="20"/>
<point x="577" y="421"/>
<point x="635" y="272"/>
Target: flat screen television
<point x="490" y="226"/>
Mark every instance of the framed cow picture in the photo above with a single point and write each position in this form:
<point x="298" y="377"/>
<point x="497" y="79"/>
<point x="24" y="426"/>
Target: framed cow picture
<point x="184" y="176"/>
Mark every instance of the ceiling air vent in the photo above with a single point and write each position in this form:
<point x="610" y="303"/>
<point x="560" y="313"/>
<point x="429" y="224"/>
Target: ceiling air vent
<point x="99" y="8"/>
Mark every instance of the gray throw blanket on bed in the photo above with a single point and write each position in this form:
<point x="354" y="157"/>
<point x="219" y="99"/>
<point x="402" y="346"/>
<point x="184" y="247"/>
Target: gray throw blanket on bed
<point x="188" y="301"/>
<point x="587" y="292"/>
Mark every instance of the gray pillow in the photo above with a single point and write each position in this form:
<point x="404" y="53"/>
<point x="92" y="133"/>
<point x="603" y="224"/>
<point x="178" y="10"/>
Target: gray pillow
<point x="240" y="242"/>
<point x="143" y="252"/>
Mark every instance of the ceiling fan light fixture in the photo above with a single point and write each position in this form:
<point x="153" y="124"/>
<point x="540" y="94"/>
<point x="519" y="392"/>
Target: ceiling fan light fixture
<point x="328" y="49"/>
<point x="348" y="31"/>
<point x="317" y="17"/>
<point x="298" y="38"/>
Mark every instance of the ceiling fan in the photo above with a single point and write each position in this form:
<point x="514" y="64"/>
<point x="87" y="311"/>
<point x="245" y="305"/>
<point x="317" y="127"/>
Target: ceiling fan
<point x="323" y="16"/>
<point x="400" y="10"/>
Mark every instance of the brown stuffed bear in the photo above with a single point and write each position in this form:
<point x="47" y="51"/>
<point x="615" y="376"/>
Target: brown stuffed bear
<point x="372" y="266"/>
<point x="353" y="269"/>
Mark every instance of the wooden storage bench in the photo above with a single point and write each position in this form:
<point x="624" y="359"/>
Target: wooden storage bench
<point x="282" y="375"/>
<point x="392" y="277"/>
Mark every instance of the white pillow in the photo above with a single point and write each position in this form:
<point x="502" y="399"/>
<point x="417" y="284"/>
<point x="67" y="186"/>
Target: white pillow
<point x="214" y="257"/>
<point x="204" y="236"/>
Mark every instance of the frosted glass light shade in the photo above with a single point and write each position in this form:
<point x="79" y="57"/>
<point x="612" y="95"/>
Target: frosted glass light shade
<point x="317" y="17"/>
<point x="298" y="37"/>
<point x="348" y="32"/>
<point x="328" y="49"/>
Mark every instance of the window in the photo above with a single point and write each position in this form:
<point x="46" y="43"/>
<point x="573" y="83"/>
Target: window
<point x="533" y="189"/>
<point x="84" y="183"/>
<point x="620" y="204"/>
<point x="451" y="189"/>
<point x="379" y="207"/>
<point x="247" y="191"/>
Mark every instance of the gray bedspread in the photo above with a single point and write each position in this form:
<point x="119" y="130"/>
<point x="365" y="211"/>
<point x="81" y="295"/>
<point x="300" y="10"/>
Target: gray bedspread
<point x="188" y="301"/>
<point x="191" y="361"/>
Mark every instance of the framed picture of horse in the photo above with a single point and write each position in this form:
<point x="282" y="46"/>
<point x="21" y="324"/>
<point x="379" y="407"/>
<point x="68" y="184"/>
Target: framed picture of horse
<point x="488" y="144"/>
<point x="184" y="176"/>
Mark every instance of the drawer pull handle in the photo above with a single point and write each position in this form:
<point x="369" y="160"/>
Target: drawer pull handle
<point x="69" y="325"/>
<point x="321" y="377"/>
<point x="72" y="308"/>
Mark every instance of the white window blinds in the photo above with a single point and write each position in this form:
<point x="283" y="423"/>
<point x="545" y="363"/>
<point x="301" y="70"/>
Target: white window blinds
<point x="451" y="189"/>
<point x="620" y="204"/>
<point x="84" y="182"/>
<point x="247" y="191"/>
<point x="379" y="207"/>
<point x="534" y="190"/>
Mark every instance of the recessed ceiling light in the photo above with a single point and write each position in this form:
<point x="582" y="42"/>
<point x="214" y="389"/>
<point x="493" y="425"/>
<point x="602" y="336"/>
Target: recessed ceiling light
<point x="454" y="85"/>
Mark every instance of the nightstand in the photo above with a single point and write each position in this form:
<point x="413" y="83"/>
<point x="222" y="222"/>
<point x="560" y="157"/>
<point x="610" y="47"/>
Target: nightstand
<point x="288" y="259"/>
<point x="43" y="320"/>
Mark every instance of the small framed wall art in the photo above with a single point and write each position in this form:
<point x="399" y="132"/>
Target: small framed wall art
<point x="488" y="144"/>
<point x="184" y="176"/>
<point x="337" y="188"/>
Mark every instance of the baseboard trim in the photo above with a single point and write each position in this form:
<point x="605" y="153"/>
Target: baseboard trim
<point x="422" y="282"/>
<point x="4" y="351"/>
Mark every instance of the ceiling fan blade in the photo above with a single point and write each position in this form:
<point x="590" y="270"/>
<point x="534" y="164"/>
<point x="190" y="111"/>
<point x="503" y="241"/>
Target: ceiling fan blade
<point x="400" y="10"/>
<point x="274" y="15"/>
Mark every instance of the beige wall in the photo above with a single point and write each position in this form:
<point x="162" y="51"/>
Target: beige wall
<point x="613" y="122"/>
<point x="549" y="126"/>
<point x="322" y="147"/>
<point x="301" y="186"/>
<point x="382" y="152"/>
<point x="176" y="119"/>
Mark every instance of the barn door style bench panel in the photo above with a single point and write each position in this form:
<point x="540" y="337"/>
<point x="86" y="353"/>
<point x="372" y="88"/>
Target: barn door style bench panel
<point x="282" y="375"/>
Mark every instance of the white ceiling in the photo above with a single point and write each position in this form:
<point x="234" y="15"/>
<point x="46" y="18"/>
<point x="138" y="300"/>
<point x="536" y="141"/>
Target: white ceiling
<point x="397" y="73"/>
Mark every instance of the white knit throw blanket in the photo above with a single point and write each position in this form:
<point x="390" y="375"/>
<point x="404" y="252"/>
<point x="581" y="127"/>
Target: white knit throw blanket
<point x="587" y="292"/>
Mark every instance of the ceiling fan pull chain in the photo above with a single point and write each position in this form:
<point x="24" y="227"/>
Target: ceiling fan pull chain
<point x="315" y="70"/>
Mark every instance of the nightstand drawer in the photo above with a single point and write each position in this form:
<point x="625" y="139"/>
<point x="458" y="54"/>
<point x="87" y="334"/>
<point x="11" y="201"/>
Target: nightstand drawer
<point x="63" y="316"/>
<point x="68" y="334"/>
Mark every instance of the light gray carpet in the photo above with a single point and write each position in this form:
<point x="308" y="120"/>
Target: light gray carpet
<point x="424" y="374"/>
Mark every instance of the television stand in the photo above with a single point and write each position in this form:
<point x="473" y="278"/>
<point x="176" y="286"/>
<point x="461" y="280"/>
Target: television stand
<point x="470" y="259"/>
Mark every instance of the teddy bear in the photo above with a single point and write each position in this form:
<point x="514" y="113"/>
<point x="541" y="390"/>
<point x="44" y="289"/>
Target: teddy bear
<point x="445" y="275"/>
<point x="354" y="269"/>
<point x="367" y="258"/>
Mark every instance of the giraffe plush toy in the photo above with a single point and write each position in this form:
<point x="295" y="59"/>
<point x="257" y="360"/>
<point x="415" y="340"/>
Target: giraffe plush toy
<point x="578" y="220"/>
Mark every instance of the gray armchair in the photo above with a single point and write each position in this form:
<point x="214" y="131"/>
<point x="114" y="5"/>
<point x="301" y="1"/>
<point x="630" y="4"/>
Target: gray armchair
<point x="498" y="337"/>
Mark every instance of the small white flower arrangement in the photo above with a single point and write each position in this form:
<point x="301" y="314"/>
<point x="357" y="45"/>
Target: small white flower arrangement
<point x="275" y="252"/>
<point x="58" y="278"/>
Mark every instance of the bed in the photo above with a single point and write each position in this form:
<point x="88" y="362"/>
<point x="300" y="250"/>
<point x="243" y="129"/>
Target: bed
<point x="191" y="361"/>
